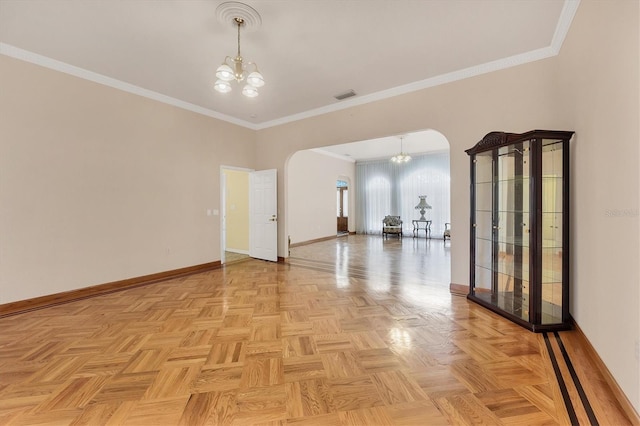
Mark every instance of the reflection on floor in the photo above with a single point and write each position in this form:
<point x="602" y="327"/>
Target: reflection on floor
<point x="420" y="260"/>
<point x="356" y="330"/>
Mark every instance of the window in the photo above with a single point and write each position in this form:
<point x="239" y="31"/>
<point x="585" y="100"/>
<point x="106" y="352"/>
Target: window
<point x="384" y="188"/>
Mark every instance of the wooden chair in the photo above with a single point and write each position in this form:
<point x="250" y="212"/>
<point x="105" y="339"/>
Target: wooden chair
<point x="392" y="225"/>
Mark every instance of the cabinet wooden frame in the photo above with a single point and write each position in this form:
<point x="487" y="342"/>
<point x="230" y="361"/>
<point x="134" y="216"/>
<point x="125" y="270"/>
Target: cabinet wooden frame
<point x="525" y="309"/>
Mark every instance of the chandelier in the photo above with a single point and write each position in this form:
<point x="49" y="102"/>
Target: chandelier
<point x="237" y="69"/>
<point x="402" y="157"/>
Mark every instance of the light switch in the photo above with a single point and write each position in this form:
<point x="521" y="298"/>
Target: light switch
<point x="216" y="212"/>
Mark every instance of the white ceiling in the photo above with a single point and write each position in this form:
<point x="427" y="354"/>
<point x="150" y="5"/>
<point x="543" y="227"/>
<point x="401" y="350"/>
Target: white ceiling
<point x="384" y="148"/>
<point x="308" y="51"/>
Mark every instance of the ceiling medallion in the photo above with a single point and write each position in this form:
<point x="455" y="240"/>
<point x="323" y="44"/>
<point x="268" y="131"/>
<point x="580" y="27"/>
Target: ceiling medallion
<point x="227" y="12"/>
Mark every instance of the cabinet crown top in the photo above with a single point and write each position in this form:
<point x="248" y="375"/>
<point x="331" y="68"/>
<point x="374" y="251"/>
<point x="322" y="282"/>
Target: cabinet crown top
<point x="498" y="139"/>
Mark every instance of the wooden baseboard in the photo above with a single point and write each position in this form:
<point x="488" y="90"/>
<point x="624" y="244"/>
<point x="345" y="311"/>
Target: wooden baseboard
<point x="459" y="289"/>
<point x="22" y="306"/>
<point x="625" y="404"/>
<point x="463" y="290"/>
<point x="317" y="240"/>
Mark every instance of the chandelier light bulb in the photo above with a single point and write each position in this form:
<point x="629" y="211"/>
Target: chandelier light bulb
<point x="225" y="73"/>
<point x="401" y="158"/>
<point x="255" y="79"/>
<point x="249" y="91"/>
<point x="222" y="86"/>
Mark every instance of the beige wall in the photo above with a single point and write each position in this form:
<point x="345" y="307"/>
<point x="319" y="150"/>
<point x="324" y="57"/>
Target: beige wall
<point x="311" y="195"/>
<point x="597" y="89"/>
<point x="98" y="185"/>
<point x="591" y="87"/>
<point x="237" y="210"/>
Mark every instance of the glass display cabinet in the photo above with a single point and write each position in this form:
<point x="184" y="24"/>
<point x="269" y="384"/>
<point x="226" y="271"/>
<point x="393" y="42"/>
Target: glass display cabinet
<point x="520" y="227"/>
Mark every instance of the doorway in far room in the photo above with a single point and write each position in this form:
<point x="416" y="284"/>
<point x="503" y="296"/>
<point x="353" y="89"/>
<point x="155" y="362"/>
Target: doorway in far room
<point x="342" y="206"/>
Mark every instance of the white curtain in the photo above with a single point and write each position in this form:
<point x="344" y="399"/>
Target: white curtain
<point x="385" y="188"/>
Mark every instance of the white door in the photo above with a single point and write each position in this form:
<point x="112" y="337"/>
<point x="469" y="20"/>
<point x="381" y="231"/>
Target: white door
<point x="263" y="209"/>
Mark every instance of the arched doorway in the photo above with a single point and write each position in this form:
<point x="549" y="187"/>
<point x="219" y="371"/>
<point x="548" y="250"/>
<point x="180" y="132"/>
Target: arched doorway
<point x="311" y="182"/>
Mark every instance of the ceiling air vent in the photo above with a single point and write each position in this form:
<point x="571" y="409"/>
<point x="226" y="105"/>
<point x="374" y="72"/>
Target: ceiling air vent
<point x="345" y="95"/>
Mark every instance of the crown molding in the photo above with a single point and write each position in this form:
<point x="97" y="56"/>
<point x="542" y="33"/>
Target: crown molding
<point x="44" y="61"/>
<point x="569" y="9"/>
<point x="488" y="67"/>
<point x="562" y="28"/>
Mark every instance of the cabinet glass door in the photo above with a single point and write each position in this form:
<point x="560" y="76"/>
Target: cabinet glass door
<point x="552" y="230"/>
<point x="484" y="188"/>
<point x="511" y="229"/>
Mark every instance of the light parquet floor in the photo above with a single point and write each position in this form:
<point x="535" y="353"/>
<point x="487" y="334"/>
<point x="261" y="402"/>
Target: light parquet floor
<point x="352" y="331"/>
